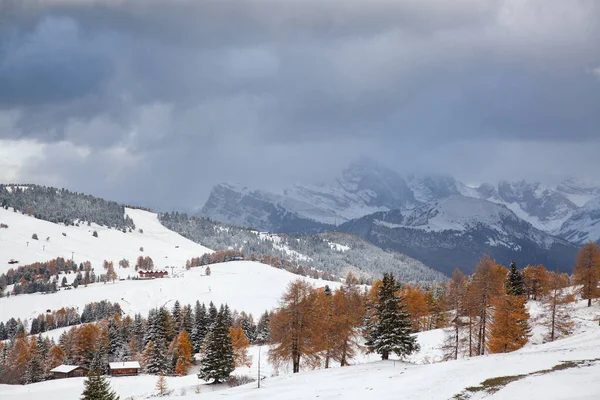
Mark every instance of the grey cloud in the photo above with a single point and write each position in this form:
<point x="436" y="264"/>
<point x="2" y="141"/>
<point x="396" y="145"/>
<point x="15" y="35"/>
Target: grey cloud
<point x="182" y="83"/>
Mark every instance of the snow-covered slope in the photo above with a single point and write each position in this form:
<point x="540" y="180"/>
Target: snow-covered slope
<point x="366" y="187"/>
<point x="540" y="205"/>
<point x="369" y="379"/>
<point x="584" y="225"/>
<point x="244" y="285"/>
<point x="166" y="248"/>
<point x="363" y="188"/>
<point x="579" y="191"/>
<point x="458" y="230"/>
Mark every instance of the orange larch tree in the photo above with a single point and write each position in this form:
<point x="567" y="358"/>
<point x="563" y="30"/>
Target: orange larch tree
<point x="414" y="298"/>
<point x="296" y="331"/>
<point x="348" y="317"/>
<point x="240" y="345"/>
<point x="457" y="298"/>
<point x="183" y="353"/>
<point x="487" y="284"/>
<point x="509" y="330"/>
<point x="556" y="316"/>
<point x="587" y="271"/>
<point x="536" y="281"/>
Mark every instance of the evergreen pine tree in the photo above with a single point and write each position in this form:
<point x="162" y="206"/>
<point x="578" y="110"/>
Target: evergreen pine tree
<point x="176" y="312"/>
<point x="154" y="358"/>
<point x="35" y="366"/>
<point x="247" y="324"/>
<point x="187" y="319"/>
<point x="515" y="285"/>
<point x="200" y="327"/>
<point x="218" y="360"/>
<point x="212" y="315"/>
<point x="96" y="387"/>
<point x="389" y="328"/>
<point x="117" y="343"/>
<point x="263" y="332"/>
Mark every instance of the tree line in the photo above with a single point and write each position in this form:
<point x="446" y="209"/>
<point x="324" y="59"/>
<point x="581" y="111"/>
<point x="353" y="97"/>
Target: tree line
<point x="63" y="206"/>
<point x="66" y="316"/>
<point x="164" y="342"/>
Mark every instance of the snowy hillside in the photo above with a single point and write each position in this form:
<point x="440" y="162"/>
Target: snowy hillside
<point x="579" y="191"/>
<point x="366" y="187"/>
<point x="565" y="369"/>
<point x="360" y="257"/>
<point x="244" y="285"/>
<point x="584" y="225"/>
<point x="165" y="247"/>
<point x="540" y="205"/>
<point x="458" y="230"/>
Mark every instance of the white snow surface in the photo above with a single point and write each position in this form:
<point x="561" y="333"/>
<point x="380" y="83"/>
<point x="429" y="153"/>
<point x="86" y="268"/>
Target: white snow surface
<point x="244" y="285"/>
<point x="371" y="379"/>
<point x="584" y="225"/>
<point x="165" y="247"/>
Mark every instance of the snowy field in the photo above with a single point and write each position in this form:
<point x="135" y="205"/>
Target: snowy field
<point x="371" y="379"/>
<point x="244" y="285"/>
<point x="166" y="248"/>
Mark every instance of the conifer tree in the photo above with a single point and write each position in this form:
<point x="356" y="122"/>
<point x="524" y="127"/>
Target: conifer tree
<point x="56" y="356"/>
<point x="388" y="329"/>
<point x="587" y="271"/>
<point x="296" y="328"/>
<point x="515" y="284"/>
<point x="247" y="324"/>
<point x="200" y="326"/>
<point x="240" y="345"/>
<point x="557" y="316"/>
<point x="183" y="353"/>
<point x="117" y="344"/>
<point x="187" y="319"/>
<point x="154" y="358"/>
<point x="509" y="330"/>
<point x="457" y="297"/>
<point x="177" y="317"/>
<point x="96" y="387"/>
<point x="161" y="385"/>
<point x="218" y="358"/>
<point x="212" y="315"/>
<point x="536" y="281"/>
<point x="348" y="314"/>
<point x="35" y="368"/>
<point x="263" y="331"/>
<point x="485" y="287"/>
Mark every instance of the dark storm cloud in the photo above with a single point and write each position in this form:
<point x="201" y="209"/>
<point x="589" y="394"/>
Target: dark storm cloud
<point x="221" y="83"/>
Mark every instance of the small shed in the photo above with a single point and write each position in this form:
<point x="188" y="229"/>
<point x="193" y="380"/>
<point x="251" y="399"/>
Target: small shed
<point x="125" y="368"/>
<point x="68" y="371"/>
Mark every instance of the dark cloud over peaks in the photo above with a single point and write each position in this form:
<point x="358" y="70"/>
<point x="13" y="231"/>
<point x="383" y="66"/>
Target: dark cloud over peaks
<point x="183" y="94"/>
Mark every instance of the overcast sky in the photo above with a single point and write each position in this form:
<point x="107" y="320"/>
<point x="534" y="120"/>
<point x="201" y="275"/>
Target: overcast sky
<point x="153" y="102"/>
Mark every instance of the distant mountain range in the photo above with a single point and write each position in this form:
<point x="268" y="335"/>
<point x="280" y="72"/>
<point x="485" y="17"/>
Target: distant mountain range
<point x="522" y="220"/>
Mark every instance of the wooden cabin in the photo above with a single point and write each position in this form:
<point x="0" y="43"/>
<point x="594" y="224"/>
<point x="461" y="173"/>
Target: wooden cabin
<point x="68" y="371"/>
<point x="125" y="368"/>
<point x="152" y="274"/>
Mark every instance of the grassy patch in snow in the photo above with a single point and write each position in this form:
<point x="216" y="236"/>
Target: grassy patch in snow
<point x="492" y="385"/>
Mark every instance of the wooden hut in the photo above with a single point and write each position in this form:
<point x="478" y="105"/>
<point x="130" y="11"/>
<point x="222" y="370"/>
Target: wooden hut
<point x="125" y="368"/>
<point x="68" y="371"/>
<point x="152" y="274"/>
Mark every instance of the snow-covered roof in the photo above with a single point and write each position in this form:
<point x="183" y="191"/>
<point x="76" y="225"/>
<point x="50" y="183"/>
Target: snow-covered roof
<point x="124" y="365"/>
<point x="65" y="369"/>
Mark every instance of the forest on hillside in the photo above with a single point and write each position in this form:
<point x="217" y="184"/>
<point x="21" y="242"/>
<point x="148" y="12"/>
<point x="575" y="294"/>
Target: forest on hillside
<point x="62" y="206"/>
<point x="334" y="253"/>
